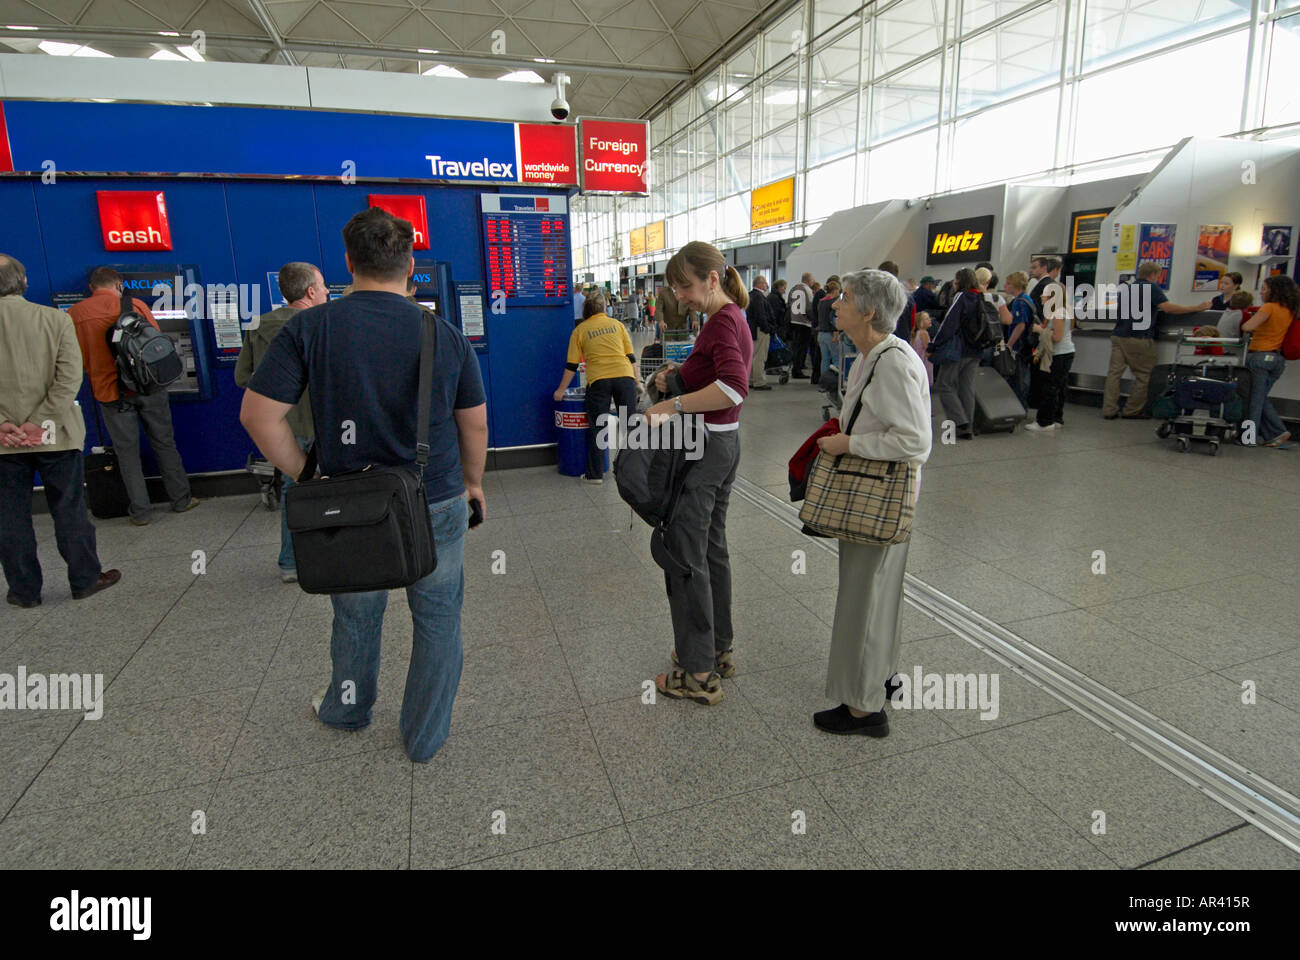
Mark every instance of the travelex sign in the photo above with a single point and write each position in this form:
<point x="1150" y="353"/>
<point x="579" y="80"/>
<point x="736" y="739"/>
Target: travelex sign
<point x="959" y="241"/>
<point x="290" y="143"/>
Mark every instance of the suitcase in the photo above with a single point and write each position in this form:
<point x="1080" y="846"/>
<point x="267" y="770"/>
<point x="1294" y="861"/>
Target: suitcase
<point x="105" y="491"/>
<point x="996" y="405"/>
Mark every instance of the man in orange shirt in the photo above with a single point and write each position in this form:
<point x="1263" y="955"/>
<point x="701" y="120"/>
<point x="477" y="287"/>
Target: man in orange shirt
<point x="123" y="410"/>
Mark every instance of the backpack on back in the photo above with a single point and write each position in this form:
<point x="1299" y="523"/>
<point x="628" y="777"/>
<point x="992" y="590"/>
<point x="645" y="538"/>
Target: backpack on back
<point x="146" y="358"/>
<point x="1291" y="341"/>
<point x="981" y="328"/>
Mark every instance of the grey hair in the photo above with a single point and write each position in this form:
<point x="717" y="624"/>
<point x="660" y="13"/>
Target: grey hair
<point x="13" y="276"/>
<point x="876" y="292"/>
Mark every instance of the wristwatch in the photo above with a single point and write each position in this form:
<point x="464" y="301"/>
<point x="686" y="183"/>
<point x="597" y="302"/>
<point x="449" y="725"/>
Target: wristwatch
<point x="677" y="404"/>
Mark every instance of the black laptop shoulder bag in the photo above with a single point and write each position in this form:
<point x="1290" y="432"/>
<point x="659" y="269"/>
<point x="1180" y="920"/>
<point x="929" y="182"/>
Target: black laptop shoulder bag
<point x="367" y="529"/>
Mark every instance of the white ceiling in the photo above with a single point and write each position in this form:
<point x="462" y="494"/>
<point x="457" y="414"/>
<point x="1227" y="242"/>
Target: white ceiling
<point x="623" y="56"/>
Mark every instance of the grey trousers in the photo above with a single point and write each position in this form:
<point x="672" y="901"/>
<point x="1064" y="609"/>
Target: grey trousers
<point x="697" y="536"/>
<point x="124" y="420"/>
<point x="868" y="630"/>
<point x="955" y="385"/>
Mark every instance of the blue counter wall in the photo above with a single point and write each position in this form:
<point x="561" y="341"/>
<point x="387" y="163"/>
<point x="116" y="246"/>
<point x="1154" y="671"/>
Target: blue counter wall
<point x="236" y="231"/>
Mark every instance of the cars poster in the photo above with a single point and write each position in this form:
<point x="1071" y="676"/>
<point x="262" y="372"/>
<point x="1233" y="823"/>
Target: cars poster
<point x="1156" y="244"/>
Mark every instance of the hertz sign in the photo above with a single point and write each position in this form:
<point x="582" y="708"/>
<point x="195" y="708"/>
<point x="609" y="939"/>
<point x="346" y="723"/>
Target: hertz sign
<point x="960" y="241"/>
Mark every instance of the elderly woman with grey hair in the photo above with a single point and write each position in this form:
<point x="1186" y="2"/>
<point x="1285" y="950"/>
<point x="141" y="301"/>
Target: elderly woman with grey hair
<point x="890" y="383"/>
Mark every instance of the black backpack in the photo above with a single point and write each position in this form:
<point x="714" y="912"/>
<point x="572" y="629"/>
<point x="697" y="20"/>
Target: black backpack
<point x="649" y="480"/>
<point x="146" y="358"/>
<point x="981" y="328"/>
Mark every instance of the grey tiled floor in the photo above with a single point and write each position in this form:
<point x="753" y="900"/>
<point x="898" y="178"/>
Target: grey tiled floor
<point x="208" y="755"/>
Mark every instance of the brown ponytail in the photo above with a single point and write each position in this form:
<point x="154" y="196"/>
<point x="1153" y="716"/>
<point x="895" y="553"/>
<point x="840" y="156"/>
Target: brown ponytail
<point x="695" y="261"/>
<point x="733" y="288"/>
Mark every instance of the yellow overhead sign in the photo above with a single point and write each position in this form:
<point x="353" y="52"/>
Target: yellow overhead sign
<point x="656" y="236"/>
<point x="772" y="204"/>
<point x="636" y="242"/>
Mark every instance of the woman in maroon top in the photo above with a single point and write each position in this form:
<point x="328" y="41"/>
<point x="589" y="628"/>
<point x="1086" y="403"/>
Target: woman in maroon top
<point x="713" y="382"/>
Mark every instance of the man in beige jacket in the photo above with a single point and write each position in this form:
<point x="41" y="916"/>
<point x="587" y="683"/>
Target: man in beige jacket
<point x="41" y="429"/>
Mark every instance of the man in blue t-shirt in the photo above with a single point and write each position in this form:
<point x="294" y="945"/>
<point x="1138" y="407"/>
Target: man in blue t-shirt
<point x="361" y="355"/>
<point x="1133" y="342"/>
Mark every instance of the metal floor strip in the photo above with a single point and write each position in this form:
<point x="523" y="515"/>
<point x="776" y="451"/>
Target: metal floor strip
<point x="1248" y="795"/>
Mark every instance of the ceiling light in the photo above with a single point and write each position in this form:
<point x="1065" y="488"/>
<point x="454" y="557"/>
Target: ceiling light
<point x="542" y="60"/>
<point x="168" y="33"/>
<point x="56" y="49"/>
<point x="522" y="76"/>
<point x="422" y="50"/>
<point x="191" y="54"/>
<point x="14" y="26"/>
<point x="442" y="70"/>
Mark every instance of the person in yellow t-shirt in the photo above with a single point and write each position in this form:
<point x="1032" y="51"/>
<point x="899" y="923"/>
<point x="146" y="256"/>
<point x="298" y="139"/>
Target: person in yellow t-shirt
<point x="603" y="343"/>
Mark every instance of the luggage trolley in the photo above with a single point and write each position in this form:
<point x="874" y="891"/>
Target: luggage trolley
<point x="675" y="347"/>
<point x="834" y="402"/>
<point x="1198" y="406"/>
<point x="779" y="356"/>
<point x="269" y="481"/>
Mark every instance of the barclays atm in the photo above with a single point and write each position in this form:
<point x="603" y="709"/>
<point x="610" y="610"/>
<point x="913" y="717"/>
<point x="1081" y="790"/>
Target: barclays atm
<point x="202" y="323"/>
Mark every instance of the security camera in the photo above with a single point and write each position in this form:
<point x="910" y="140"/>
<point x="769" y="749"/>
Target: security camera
<point x="560" y="106"/>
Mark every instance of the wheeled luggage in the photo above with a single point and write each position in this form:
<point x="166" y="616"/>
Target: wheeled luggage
<point x="997" y="407"/>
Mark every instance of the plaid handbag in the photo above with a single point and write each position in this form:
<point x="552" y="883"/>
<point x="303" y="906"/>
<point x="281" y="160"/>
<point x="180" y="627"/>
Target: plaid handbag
<point x="863" y="501"/>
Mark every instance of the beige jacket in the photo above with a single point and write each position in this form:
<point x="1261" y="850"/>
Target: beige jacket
<point x="40" y="373"/>
<point x="255" y="346"/>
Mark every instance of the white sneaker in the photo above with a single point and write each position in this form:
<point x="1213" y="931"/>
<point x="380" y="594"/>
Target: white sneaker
<point x="317" y="700"/>
<point x="1039" y="428"/>
<point x="597" y="480"/>
<point x="288" y="576"/>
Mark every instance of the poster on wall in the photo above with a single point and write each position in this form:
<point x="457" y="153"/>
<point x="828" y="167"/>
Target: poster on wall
<point x="1276" y="241"/>
<point x="1212" y="246"/>
<point x="1156" y="244"/>
<point x="1126" y="254"/>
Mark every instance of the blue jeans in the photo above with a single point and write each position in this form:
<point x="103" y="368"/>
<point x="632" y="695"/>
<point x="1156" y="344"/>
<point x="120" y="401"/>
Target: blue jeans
<point x="1266" y="368"/>
<point x="434" y="673"/>
<point x="829" y="350"/>
<point x="287" y="562"/>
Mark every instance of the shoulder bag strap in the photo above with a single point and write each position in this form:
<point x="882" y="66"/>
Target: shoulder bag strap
<point x="858" y="409"/>
<point x="428" y="344"/>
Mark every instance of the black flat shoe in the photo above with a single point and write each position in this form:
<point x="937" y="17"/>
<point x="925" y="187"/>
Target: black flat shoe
<point x="11" y="597"/>
<point x="841" y="721"/>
